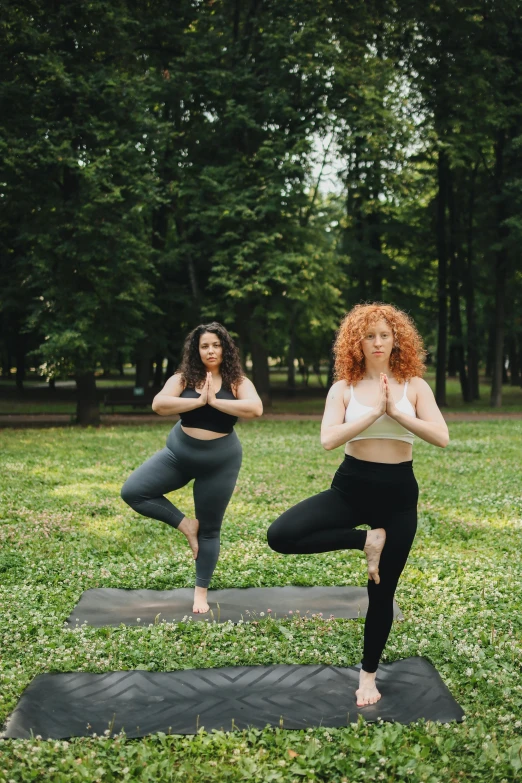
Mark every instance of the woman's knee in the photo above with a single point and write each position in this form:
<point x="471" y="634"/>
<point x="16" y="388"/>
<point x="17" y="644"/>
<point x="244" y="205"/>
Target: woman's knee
<point x="276" y="538"/>
<point x="380" y="596"/>
<point x="128" y="494"/>
<point x="208" y="534"/>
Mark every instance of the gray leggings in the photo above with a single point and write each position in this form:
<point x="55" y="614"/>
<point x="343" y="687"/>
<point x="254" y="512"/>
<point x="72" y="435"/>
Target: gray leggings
<point x="214" y="464"/>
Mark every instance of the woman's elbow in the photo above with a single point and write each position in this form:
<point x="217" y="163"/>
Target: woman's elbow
<point x="444" y="440"/>
<point x="156" y="405"/>
<point x="326" y="443"/>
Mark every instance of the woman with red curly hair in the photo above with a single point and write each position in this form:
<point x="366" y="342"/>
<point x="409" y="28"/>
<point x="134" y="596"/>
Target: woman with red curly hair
<point x="376" y="407"/>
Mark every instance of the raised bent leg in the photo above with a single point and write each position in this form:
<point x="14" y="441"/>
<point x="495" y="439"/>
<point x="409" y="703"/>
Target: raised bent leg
<point x="400" y="532"/>
<point x="145" y="488"/>
<point x="322" y="523"/>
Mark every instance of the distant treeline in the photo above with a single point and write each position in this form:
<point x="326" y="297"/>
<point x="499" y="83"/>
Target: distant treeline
<point x="267" y="163"/>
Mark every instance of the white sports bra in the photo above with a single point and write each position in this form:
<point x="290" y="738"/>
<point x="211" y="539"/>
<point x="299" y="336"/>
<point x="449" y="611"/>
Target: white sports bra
<point x="384" y="426"/>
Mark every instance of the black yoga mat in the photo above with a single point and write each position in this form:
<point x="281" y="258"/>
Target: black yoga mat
<point x="112" y="606"/>
<point x="58" y="706"/>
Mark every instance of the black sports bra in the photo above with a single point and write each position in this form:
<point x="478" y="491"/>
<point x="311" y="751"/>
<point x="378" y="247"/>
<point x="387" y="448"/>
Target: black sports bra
<point x="207" y="417"/>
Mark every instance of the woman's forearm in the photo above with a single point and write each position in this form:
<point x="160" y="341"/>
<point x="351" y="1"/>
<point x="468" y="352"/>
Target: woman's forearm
<point x="166" y="405"/>
<point x="436" y="434"/>
<point x="246" y="409"/>
<point x="338" y="434"/>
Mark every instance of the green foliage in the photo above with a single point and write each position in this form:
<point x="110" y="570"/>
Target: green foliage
<point x="64" y="529"/>
<point x="160" y="166"/>
<point x="82" y="255"/>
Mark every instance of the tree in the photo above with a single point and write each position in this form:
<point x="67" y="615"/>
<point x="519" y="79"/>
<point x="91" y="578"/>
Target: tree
<point x="76" y="161"/>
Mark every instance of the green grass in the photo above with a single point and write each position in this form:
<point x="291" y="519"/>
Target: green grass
<point x="64" y="529"/>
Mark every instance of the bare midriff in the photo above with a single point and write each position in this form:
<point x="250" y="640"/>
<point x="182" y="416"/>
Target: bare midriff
<point x="380" y="450"/>
<point x="199" y="434"/>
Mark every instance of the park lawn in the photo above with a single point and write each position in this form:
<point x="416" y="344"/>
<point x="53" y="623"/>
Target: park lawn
<point x="63" y="529"/>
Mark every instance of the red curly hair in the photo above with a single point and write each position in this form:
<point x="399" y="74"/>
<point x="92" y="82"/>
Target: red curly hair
<point x="407" y="356"/>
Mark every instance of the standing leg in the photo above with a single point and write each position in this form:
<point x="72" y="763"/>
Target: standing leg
<point x="400" y="533"/>
<point x="145" y="488"/>
<point x="212" y="493"/>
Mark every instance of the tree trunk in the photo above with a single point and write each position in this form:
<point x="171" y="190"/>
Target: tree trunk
<point x="490" y="353"/>
<point x="498" y="350"/>
<point x="520" y="355"/>
<point x="52" y="384"/>
<point x="457" y="338"/>
<point x="20" y="346"/>
<point x="500" y="277"/>
<point x="20" y="369"/>
<point x="157" y="381"/>
<point x="260" y="370"/>
<point x="143" y="365"/>
<point x="171" y="367"/>
<point x="442" y="336"/>
<point x="374" y="239"/>
<point x="87" y="406"/>
<point x="5" y="364"/>
<point x="291" y="359"/>
<point x="331" y="370"/>
<point x="469" y="291"/>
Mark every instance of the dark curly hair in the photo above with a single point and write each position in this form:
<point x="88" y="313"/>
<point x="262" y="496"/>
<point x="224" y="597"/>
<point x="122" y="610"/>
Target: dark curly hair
<point x="192" y="369"/>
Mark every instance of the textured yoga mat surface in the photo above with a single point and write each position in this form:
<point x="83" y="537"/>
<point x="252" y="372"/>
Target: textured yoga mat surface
<point x="78" y="704"/>
<point x="112" y="606"/>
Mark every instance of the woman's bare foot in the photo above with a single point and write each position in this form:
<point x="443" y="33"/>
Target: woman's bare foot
<point x="200" y="600"/>
<point x="189" y="527"/>
<point x="367" y="692"/>
<point x="375" y="540"/>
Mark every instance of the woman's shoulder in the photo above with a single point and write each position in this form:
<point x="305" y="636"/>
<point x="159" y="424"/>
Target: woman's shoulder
<point x="177" y="381"/>
<point x="340" y="389"/>
<point x="417" y="383"/>
<point x="243" y="383"/>
<point x="174" y="386"/>
<point x="420" y="387"/>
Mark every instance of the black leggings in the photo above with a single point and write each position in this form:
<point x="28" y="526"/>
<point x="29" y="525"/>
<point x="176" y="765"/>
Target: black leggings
<point x="362" y="493"/>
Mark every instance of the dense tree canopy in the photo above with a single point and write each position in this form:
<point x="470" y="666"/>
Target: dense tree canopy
<point x="164" y="164"/>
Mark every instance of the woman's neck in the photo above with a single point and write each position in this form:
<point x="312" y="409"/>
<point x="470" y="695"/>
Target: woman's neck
<point x="374" y="373"/>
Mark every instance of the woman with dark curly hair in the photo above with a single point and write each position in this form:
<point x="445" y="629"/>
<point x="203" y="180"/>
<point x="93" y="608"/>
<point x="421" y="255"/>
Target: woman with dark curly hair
<point x="376" y="407"/>
<point x="209" y="392"/>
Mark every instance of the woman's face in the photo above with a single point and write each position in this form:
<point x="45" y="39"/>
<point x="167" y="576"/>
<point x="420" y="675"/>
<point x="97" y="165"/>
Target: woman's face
<point x="377" y="342"/>
<point x="210" y="350"/>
